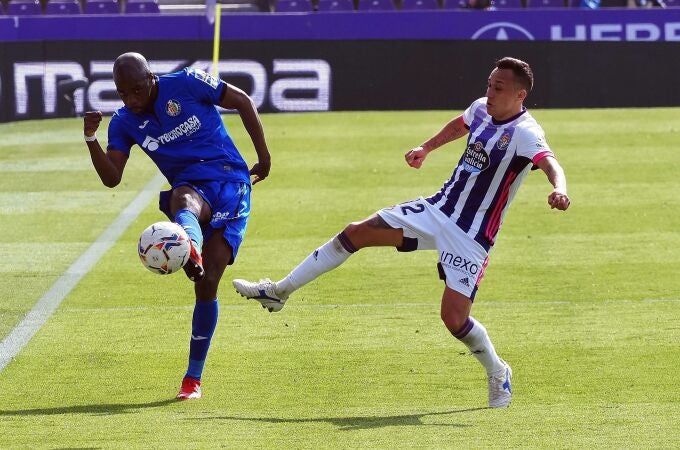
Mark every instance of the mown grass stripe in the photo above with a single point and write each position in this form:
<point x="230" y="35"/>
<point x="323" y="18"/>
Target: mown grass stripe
<point x="48" y="303"/>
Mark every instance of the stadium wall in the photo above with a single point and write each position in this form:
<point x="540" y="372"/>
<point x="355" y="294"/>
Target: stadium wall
<point x="618" y="65"/>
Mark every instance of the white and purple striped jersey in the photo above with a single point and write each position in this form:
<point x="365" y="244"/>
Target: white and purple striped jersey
<point x="497" y="158"/>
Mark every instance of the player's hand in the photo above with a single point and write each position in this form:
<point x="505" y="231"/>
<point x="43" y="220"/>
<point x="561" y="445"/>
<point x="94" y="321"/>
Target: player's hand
<point x="559" y="200"/>
<point x="91" y="121"/>
<point x="260" y="170"/>
<point x="415" y="157"/>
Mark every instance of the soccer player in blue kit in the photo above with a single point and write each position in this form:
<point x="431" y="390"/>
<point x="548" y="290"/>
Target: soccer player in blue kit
<point x="174" y="119"/>
<point x="461" y="221"/>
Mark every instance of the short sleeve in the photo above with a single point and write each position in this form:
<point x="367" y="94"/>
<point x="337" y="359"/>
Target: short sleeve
<point x="469" y="114"/>
<point x="119" y="139"/>
<point x="532" y="144"/>
<point x="204" y="86"/>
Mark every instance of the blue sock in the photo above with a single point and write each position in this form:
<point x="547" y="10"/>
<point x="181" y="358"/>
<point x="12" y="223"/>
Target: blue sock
<point x="188" y="220"/>
<point x="202" y="329"/>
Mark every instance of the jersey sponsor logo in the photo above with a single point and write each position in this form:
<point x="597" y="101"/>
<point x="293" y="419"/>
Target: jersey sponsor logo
<point x="504" y="141"/>
<point x="476" y="158"/>
<point x="455" y="262"/>
<point x="206" y="78"/>
<point x="151" y="144"/>
<point x="173" y="108"/>
<point x="186" y="128"/>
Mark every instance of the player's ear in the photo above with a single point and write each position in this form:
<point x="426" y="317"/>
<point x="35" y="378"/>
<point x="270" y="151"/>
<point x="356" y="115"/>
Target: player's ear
<point x="522" y="94"/>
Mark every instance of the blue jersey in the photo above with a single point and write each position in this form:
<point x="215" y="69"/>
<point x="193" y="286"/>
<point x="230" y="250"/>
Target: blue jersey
<point x="185" y="135"/>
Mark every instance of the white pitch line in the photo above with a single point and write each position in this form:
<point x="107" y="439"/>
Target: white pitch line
<point x="48" y="303"/>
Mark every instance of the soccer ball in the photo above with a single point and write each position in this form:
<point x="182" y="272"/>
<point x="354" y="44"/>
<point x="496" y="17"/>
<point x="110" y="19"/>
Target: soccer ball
<point x="164" y="247"/>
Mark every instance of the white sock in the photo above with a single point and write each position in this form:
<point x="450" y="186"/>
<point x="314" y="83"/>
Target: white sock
<point x="327" y="257"/>
<point x="474" y="336"/>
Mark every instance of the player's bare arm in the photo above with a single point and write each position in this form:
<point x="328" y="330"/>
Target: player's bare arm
<point x="453" y="130"/>
<point x="558" y="198"/>
<point x="110" y="164"/>
<point x="235" y="98"/>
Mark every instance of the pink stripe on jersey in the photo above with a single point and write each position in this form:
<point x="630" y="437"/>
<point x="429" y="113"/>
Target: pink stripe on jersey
<point x="482" y="270"/>
<point x="539" y="156"/>
<point x="495" y="221"/>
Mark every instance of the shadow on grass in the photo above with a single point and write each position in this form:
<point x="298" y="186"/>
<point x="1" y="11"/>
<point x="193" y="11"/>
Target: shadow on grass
<point x="104" y="410"/>
<point x="360" y="423"/>
<point x="343" y="423"/>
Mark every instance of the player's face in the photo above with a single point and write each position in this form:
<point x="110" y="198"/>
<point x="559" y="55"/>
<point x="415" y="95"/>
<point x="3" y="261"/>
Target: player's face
<point x="135" y="90"/>
<point x="504" y="95"/>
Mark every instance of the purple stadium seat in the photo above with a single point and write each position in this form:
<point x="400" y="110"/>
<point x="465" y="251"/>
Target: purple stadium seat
<point x="24" y="8"/>
<point x="508" y="4"/>
<point x="410" y="5"/>
<point x="454" y="4"/>
<point x="142" y="7"/>
<point x="293" y="6"/>
<point x="546" y="3"/>
<point x="335" y="5"/>
<point x="63" y="7"/>
<point x="102" y="7"/>
<point x="673" y="3"/>
<point x="376" y="5"/>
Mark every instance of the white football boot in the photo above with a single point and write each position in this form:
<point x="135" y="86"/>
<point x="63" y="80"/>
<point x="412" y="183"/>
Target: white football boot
<point x="264" y="291"/>
<point x="500" y="387"/>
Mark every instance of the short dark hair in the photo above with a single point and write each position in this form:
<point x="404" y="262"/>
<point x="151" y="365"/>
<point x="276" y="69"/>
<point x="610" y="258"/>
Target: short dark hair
<point x="520" y="69"/>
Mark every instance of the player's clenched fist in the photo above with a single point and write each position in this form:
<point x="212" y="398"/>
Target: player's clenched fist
<point x="415" y="157"/>
<point x="559" y="200"/>
<point x="91" y="121"/>
<point x="260" y="170"/>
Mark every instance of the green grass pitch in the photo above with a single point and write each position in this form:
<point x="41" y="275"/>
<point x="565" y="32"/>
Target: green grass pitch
<point x="584" y="305"/>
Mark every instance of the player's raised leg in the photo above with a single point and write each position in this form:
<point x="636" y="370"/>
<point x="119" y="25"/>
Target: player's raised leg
<point x="188" y="207"/>
<point x="372" y="232"/>
<point x="455" y="313"/>
<point x="217" y="254"/>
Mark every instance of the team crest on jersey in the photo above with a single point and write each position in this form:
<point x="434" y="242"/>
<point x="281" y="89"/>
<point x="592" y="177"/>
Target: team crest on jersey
<point x="504" y="141"/>
<point x="475" y="159"/>
<point x="173" y="108"/>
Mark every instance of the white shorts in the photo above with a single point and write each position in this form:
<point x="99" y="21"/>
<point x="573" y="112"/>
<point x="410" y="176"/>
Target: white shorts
<point x="462" y="260"/>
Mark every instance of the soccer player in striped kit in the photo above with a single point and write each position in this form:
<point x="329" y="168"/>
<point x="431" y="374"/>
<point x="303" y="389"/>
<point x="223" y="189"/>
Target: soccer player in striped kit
<point x="461" y="221"/>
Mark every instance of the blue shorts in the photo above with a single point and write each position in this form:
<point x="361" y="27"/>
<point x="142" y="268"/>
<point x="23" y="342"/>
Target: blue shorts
<point x="229" y="205"/>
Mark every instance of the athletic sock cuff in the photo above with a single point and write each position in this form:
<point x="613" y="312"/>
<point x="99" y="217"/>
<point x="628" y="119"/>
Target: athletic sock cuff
<point x="464" y="330"/>
<point x="346" y="243"/>
<point x="186" y="211"/>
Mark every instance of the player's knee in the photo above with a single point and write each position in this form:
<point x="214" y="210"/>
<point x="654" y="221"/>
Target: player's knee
<point x="353" y="232"/>
<point x="185" y="198"/>
<point x="207" y="287"/>
<point x="453" y="319"/>
<point x="353" y="229"/>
